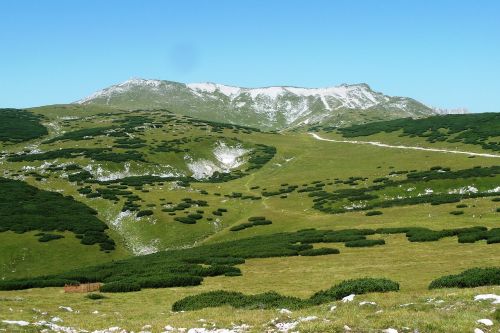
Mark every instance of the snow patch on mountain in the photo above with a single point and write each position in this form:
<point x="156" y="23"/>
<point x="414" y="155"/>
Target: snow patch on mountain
<point x="122" y="88"/>
<point x="229" y="157"/>
<point x="226" y="157"/>
<point x="210" y="88"/>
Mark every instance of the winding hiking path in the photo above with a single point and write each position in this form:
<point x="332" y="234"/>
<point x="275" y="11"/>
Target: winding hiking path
<point x="378" y="144"/>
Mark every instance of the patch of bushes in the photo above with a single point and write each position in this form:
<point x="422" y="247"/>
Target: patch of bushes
<point x="97" y="154"/>
<point x="120" y="287"/>
<point x="21" y="284"/>
<point x="83" y="134"/>
<point x="356" y="286"/>
<point x="80" y="176"/>
<point x="273" y="300"/>
<point x="252" y="222"/>
<point x="336" y="201"/>
<point x="457" y="212"/>
<point x="318" y="252"/>
<point x="185" y="220"/>
<point x="26" y="208"/>
<point x="146" y="212"/>
<point x="476" y="129"/>
<point x="95" y="296"/>
<point x="364" y="243"/>
<point x="220" y="258"/>
<point x="20" y="125"/>
<point x="373" y="213"/>
<point x="48" y="237"/>
<point x="471" y="278"/>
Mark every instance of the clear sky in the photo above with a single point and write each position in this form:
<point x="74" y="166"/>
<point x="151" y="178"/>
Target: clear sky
<point x="443" y="53"/>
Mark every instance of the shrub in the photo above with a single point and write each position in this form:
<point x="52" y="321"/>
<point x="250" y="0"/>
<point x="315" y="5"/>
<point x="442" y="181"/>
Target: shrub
<point x="185" y="220"/>
<point x="256" y="218"/>
<point x="146" y="212"/>
<point x="120" y="287"/>
<point x="461" y="206"/>
<point x="364" y="243"/>
<point x="241" y="226"/>
<point x="457" y="212"/>
<point x="273" y="300"/>
<point x="35" y="283"/>
<point x="48" y="237"/>
<point x="168" y="281"/>
<point x="373" y="213"/>
<point x="474" y="277"/>
<point x="253" y="221"/>
<point x="261" y="222"/>
<point x="319" y="252"/>
<point x="357" y="286"/>
<point x="94" y="296"/>
<point x="237" y="300"/>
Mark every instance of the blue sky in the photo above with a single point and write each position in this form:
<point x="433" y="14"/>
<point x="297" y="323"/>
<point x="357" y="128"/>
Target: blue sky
<point x="443" y="53"/>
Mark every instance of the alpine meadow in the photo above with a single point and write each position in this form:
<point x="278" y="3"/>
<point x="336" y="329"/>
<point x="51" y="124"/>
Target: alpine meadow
<point x="162" y="206"/>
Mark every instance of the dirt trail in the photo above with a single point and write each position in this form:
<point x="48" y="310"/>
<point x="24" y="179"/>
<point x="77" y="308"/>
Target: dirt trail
<point x="379" y="144"/>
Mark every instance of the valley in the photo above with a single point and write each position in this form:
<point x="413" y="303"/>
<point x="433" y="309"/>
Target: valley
<point x="163" y="208"/>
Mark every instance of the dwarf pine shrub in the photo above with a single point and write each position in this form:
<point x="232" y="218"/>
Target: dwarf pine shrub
<point x="474" y="277"/>
<point x="273" y="300"/>
<point x="364" y="243"/>
<point x="120" y="287"/>
<point x="319" y="252"/>
<point x="373" y="213"/>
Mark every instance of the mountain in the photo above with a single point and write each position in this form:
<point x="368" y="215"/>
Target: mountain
<point x="266" y="108"/>
<point x="450" y="111"/>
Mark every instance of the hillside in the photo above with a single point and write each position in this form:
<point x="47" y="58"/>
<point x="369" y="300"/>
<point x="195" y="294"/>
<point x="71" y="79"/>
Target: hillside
<point x="270" y="108"/>
<point x="221" y="226"/>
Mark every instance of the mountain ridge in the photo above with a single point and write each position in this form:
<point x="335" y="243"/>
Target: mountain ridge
<point x="271" y="108"/>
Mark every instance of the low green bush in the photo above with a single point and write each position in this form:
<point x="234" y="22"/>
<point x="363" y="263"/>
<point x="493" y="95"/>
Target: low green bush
<point x="185" y="220"/>
<point x="357" y="287"/>
<point x="457" y="212"/>
<point x="252" y="222"/>
<point x="373" y="213"/>
<point x="146" y="212"/>
<point x="273" y="300"/>
<point x="95" y="296"/>
<point x="120" y="287"/>
<point x="48" y="237"/>
<point x="364" y="243"/>
<point x="237" y="300"/>
<point x="319" y="252"/>
<point x="35" y="283"/>
<point x="471" y="278"/>
<point x="256" y="218"/>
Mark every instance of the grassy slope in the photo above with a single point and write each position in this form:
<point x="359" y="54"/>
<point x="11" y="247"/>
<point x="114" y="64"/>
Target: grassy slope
<point x="300" y="159"/>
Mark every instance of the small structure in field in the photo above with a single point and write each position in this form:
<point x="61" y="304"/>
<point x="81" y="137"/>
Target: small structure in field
<point x="82" y="288"/>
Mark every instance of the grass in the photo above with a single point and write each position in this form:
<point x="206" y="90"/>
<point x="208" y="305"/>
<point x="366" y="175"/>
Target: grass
<point x="299" y="160"/>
